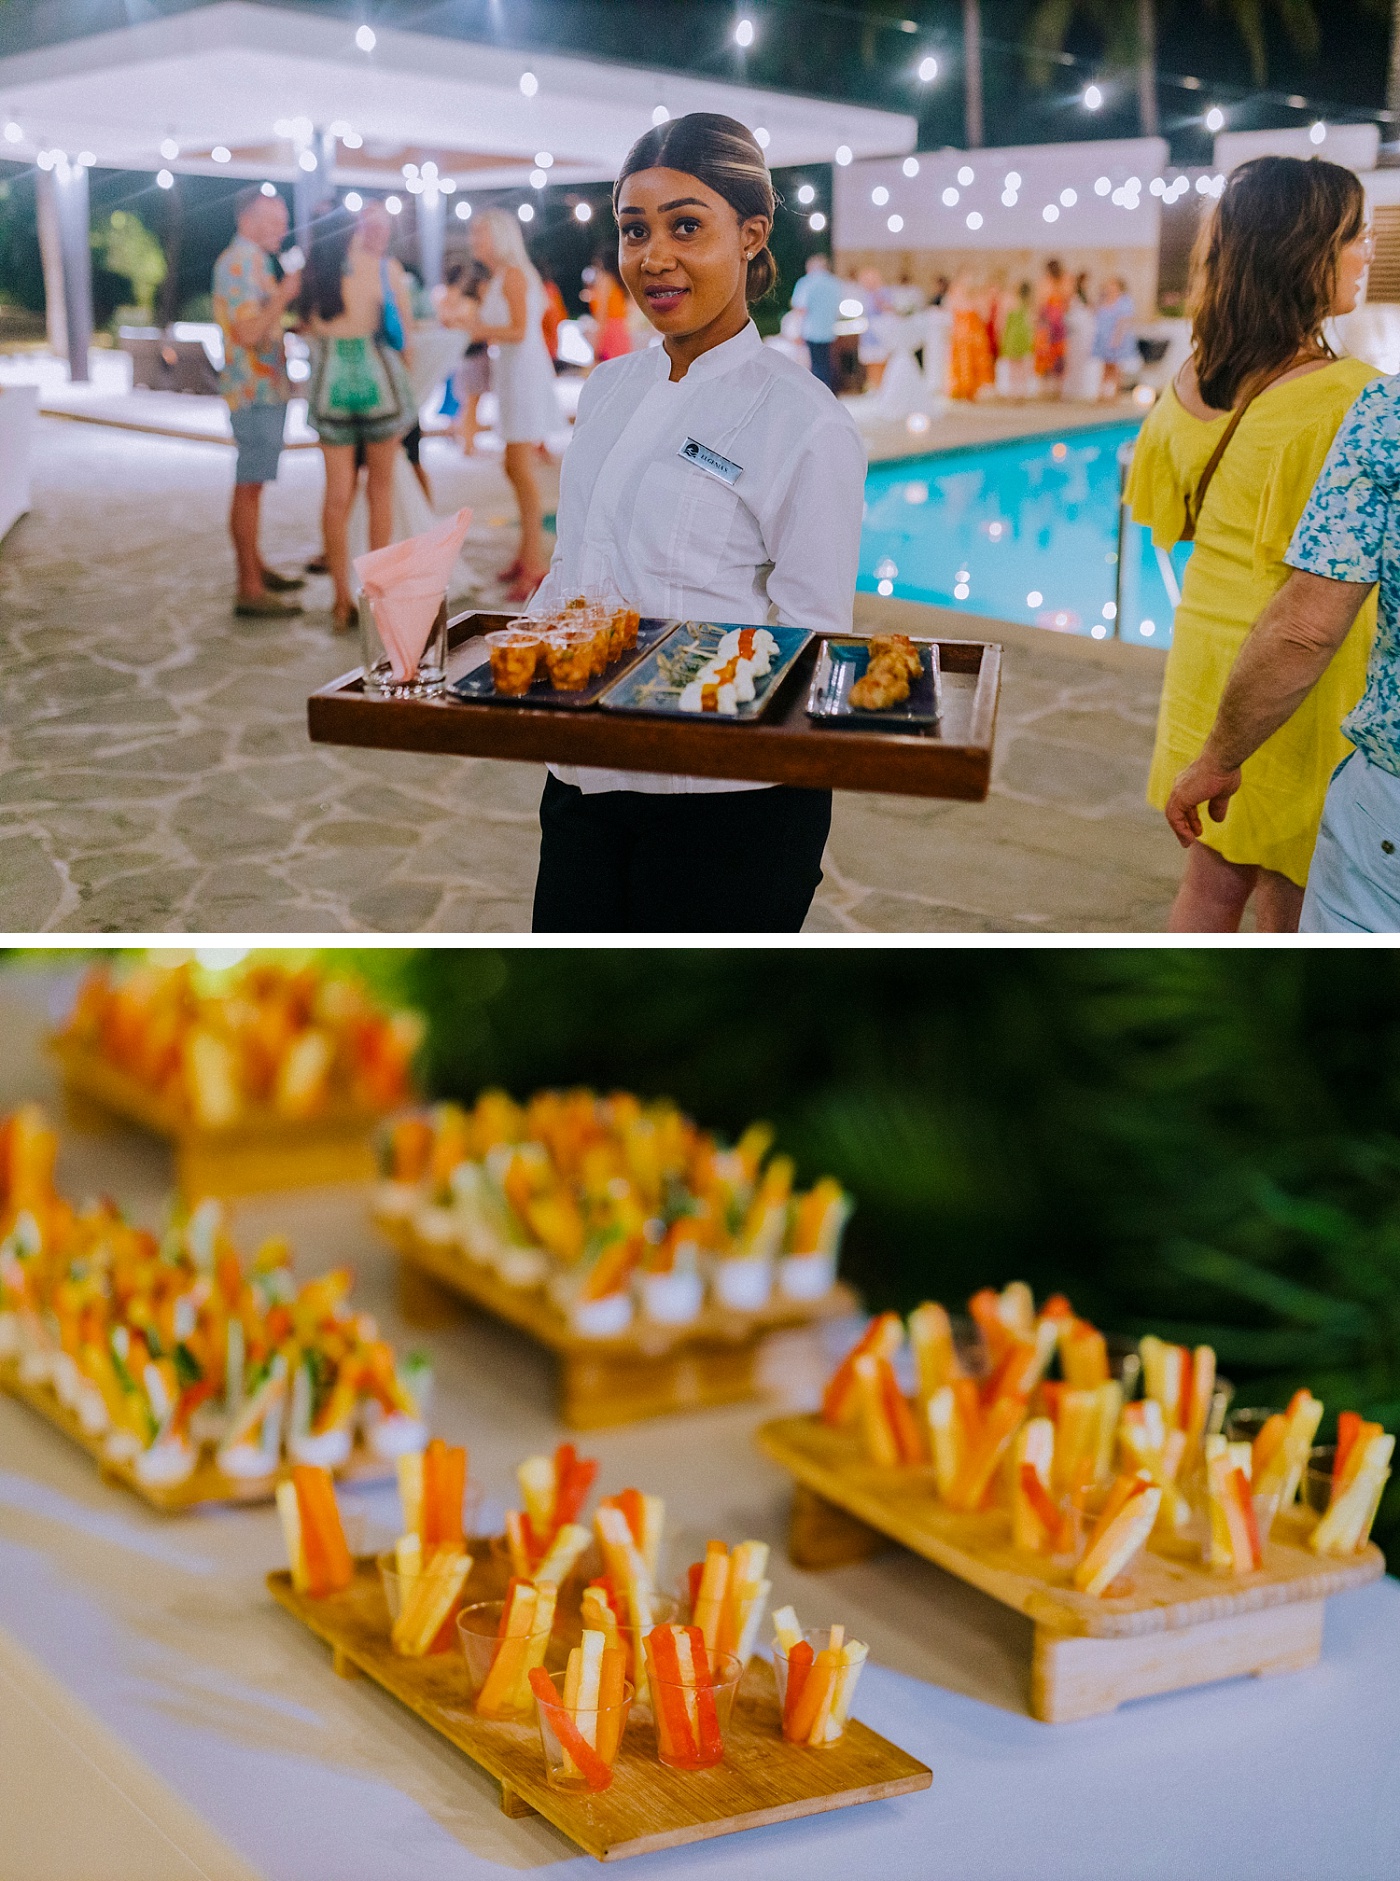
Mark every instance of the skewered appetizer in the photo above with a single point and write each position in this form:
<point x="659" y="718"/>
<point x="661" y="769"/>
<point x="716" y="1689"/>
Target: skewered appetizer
<point x="167" y="1346"/>
<point x="1086" y="1478"/>
<point x="604" y="1200"/>
<point x="726" y="682"/>
<point x="262" y="1038"/>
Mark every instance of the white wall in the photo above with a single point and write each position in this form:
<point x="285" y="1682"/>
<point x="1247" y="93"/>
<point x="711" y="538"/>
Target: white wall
<point x="1046" y="171"/>
<point x="1354" y="145"/>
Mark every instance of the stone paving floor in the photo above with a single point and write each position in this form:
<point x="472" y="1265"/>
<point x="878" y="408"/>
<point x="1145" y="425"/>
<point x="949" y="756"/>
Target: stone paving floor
<point x="155" y="773"/>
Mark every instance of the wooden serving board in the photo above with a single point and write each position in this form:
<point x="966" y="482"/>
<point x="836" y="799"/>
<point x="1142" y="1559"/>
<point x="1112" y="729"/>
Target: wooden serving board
<point x="647" y="1371"/>
<point x="1177" y="1624"/>
<point x="261" y="1151"/>
<point x="207" y="1485"/>
<point x="762" y="1780"/>
<point x="783" y="747"/>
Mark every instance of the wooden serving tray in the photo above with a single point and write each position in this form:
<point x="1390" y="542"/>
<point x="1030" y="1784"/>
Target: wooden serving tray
<point x="261" y="1151"/>
<point x="647" y="1371"/>
<point x="1181" y="1624"/>
<point x="953" y="759"/>
<point x="207" y="1485"/>
<point x="762" y="1780"/>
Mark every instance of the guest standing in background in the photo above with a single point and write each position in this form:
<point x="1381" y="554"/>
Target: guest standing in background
<point x="817" y="297"/>
<point x="1052" y="305"/>
<point x="356" y="308"/>
<point x="607" y="303"/>
<point x="1018" y="342"/>
<point x="510" y="319"/>
<point x="555" y="314"/>
<point x="250" y="301"/>
<point x="1114" y="345"/>
<point x="459" y="305"/>
<point x="1232" y="451"/>
<point x="970" y="362"/>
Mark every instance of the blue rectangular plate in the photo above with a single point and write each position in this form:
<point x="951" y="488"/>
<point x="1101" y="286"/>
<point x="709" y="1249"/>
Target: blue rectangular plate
<point x="654" y="685"/>
<point x="842" y="662"/>
<point x="477" y="689"/>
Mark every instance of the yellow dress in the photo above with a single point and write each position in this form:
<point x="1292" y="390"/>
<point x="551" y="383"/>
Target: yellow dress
<point x="1255" y="499"/>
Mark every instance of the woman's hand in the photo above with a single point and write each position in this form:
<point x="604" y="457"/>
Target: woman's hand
<point x="1206" y="782"/>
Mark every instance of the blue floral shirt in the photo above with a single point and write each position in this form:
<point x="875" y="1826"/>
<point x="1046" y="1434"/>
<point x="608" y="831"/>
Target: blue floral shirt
<point x="1350" y="531"/>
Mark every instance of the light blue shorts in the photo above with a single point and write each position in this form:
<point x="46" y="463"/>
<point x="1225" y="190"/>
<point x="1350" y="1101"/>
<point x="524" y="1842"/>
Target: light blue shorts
<point x="1354" y="881"/>
<point x="257" y="431"/>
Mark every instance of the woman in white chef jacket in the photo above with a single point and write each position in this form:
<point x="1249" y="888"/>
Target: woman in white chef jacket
<point x="769" y="532"/>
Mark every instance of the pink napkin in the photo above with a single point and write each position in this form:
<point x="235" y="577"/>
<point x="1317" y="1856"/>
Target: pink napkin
<point x="405" y="584"/>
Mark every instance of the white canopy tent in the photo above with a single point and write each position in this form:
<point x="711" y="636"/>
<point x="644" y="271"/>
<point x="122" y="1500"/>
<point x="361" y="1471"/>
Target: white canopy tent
<point x="254" y="91"/>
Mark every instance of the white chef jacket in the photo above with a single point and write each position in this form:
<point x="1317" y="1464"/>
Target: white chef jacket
<point x="781" y="544"/>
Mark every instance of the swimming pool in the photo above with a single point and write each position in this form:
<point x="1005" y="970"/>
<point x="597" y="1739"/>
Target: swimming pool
<point x="1025" y="530"/>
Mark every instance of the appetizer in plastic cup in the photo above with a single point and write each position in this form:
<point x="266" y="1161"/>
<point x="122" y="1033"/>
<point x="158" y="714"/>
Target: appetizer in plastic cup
<point x="692" y="1696"/>
<point x="582" y="1714"/>
<point x="515" y="654"/>
<point x="503" y="1642"/>
<point x="568" y="658"/>
<point x="816" y="1683"/>
<point x="423" y="1603"/>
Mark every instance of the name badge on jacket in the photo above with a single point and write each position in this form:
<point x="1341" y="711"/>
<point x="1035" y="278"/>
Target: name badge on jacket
<point x="711" y="462"/>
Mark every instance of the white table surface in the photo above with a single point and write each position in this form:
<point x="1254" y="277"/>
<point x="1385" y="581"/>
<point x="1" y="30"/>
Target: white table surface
<point x="159" y="1716"/>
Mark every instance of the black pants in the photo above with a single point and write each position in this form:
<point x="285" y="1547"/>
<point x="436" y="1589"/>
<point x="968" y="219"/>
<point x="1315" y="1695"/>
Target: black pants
<point x="721" y="862"/>
<point x="823" y="364"/>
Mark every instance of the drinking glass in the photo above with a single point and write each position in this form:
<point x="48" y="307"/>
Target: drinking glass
<point x="479" y="1634"/>
<point x="430" y="677"/>
<point x="686" y="1741"/>
<point x="601" y="1729"/>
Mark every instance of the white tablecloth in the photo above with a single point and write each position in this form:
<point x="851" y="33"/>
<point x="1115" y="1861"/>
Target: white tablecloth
<point x="188" y="1708"/>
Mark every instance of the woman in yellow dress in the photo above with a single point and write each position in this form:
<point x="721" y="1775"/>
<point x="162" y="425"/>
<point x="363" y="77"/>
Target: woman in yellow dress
<point x="1287" y="247"/>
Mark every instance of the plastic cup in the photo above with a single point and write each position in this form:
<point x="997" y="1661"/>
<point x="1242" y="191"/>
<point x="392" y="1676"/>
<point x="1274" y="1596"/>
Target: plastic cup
<point x="479" y="1634"/>
<point x="427" y="680"/>
<point x="568" y="656"/>
<point x="395" y="1594"/>
<point x="665" y="1609"/>
<point x="1244" y="1425"/>
<point x="817" y="1637"/>
<point x="601" y="1727"/>
<point x="679" y="1743"/>
<point x="515" y="656"/>
<point x="1317" y="1477"/>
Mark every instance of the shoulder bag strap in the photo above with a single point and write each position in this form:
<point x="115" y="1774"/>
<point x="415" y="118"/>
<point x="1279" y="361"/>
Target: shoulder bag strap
<point x="1196" y="498"/>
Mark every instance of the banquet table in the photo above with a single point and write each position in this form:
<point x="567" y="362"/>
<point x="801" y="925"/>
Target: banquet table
<point x="161" y="1717"/>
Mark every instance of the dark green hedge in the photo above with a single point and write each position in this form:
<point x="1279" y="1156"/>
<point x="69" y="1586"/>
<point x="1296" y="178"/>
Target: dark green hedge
<point x="1204" y="1143"/>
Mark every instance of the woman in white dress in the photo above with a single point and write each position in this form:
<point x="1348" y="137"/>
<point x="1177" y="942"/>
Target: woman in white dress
<point x="709" y="478"/>
<point x="509" y="319"/>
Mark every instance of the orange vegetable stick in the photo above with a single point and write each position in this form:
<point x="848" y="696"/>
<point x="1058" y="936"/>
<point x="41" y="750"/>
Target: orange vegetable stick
<point x="612" y="1678"/>
<point x="881" y="1444"/>
<point x="882" y="1337"/>
<point x="984" y="1458"/>
<point x="444" y="1488"/>
<point x="816" y="1692"/>
<point x="900" y="1417"/>
<point x="508" y="1668"/>
<point x="328" y="1564"/>
<point x="1348" y="1430"/>
<point x="1267" y="1444"/>
<point x="799" y="1667"/>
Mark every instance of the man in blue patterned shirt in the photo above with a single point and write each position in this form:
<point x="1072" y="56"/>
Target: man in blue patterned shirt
<point x="1347" y="541"/>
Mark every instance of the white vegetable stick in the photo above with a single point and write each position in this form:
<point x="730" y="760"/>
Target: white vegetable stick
<point x="786" y="1630"/>
<point x="290" y="1513"/>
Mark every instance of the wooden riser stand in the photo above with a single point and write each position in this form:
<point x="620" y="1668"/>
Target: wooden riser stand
<point x="1177" y="1625"/>
<point x="648" y="1372"/>
<point x="266" y="1153"/>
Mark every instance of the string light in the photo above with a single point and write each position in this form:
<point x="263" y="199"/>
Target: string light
<point x="1215" y="119"/>
<point x="86" y="160"/>
<point x="169" y="149"/>
<point x="660" y="115"/>
<point x="13" y="133"/>
<point x="352" y="140"/>
<point x="806" y="194"/>
<point x="816" y="221"/>
<point x="974" y="221"/>
<point x="895" y="224"/>
<point x="1318" y="133"/>
<point x="221" y="153"/>
<point x="394" y="205"/>
<point x="928" y="71"/>
<point x="761" y="137"/>
<point x="583" y="212"/>
<point x="365" y="39"/>
<point x="269" y="189"/>
<point x="464" y="211"/>
<point x="164" y="180"/>
<point x="743" y="34"/>
<point x="525" y="212"/>
<point x="1093" y="98"/>
<point x="879" y="196"/>
<point x="543" y="160"/>
<point x="910" y="166"/>
<point x="354" y="200"/>
<point x="843" y="154"/>
<point x="966" y="176"/>
<point x="538" y="179"/>
<point x="529" y="84"/>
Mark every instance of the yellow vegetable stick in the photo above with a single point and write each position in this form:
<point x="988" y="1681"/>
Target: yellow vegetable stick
<point x="879" y="1439"/>
<point x="786" y="1630"/>
<point x="546" y="1595"/>
<point x="410" y="1473"/>
<point x="945" y="1431"/>
<point x="429" y="1603"/>
<point x="1120" y="1541"/>
<point x="1347" y="1522"/>
<point x="498" y="1688"/>
<point x="289" y="1511"/>
<point x="935" y="1356"/>
<point x="709" y="1601"/>
<point x="537" y="1488"/>
<point x="563" y="1553"/>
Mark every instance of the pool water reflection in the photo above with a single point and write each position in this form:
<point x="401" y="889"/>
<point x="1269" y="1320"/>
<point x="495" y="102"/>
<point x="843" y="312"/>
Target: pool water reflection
<point x="1025" y="530"/>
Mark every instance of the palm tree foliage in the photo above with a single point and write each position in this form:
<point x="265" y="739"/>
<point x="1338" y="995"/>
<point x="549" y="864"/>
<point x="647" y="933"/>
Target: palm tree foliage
<point x="1203" y="1144"/>
<point x="1118" y="25"/>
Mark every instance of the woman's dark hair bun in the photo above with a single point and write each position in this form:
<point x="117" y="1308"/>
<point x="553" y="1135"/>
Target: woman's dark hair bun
<point x="725" y="155"/>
